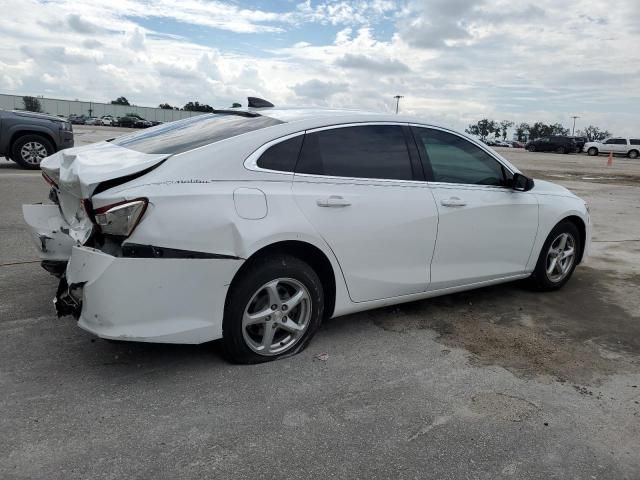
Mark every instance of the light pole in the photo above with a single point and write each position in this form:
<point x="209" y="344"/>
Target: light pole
<point x="398" y="97"/>
<point x="573" y="130"/>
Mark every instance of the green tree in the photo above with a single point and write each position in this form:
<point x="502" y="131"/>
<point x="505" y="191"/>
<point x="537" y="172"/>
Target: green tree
<point x="120" y="101"/>
<point x="165" y="106"/>
<point x="594" y="134"/>
<point x="557" y="129"/>
<point x="505" y="125"/>
<point x="540" y="129"/>
<point x="236" y="105"/>
<point x="483" y="128"/>
<point x="197" y="107"/>
<point x="522" y="131"/>
<point x="32" y="104"/>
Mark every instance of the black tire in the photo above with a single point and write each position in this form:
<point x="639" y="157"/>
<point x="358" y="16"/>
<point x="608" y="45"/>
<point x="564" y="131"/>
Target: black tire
<point x="39" y="143"/>
<point x="242" y="291"/>
<point x="540" y="279"/>
<point x="633" y="154"/>
<point x="561" y="150"/>
<point x="531" y="148"/>
<point x="592" y="152"/>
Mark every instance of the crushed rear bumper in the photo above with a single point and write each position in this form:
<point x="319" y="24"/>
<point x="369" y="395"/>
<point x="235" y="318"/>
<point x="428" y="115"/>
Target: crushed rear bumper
<point x="166" y="300"/>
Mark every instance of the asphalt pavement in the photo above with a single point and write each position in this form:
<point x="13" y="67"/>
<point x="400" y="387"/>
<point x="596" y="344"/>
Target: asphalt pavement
<point x="500" y="382"/>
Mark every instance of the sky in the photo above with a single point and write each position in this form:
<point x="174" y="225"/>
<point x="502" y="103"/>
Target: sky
<point x="454" y="61"/>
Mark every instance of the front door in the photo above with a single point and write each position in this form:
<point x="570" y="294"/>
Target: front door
<point x="358" y="188"/>
<point x="486" y="230"/>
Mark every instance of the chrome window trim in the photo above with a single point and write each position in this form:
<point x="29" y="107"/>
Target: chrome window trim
<point x="251" y="162"/>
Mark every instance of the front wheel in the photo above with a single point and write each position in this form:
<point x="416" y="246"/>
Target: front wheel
<point x="558" y="257"/>
<point x="633" y="154"/>
<point x="560" y="150"/>
<point x="593" y="151"/>
<point x="29" y="150"/>
<point x="531" y="148"/>
<point x="272" y="310"/>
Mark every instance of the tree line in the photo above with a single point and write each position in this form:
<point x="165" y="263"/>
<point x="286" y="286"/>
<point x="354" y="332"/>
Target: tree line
<point x="189" y="106"/>
<point x="496" y="129"/>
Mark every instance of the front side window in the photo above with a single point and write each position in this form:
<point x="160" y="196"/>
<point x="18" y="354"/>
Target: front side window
<point x="193" y="132"/>
<point x="368" y="151"/>
<point x="454" y="159"/>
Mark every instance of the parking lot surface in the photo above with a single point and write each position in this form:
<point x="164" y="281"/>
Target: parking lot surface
<point x="499" y="382"/>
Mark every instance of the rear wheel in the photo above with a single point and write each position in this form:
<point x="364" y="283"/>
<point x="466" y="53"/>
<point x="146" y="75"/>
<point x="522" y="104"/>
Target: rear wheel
<point x="29" y="150"/>
<point x="633" y="154"/>
<point x="272" y="310"/>
<point x="558" y="257"/>
<point x="593" y="151"/>
<point x="561" y="150"/>
<point x="531" y="148"/>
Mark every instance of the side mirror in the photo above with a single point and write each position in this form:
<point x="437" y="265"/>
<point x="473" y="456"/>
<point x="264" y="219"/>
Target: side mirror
<point x="521" y="183"/>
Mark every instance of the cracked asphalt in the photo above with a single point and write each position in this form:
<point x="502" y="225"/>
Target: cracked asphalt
<point x="495" y="383"/>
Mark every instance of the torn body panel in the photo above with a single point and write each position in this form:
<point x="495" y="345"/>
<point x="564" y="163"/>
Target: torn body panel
<point x="49" y="231"/>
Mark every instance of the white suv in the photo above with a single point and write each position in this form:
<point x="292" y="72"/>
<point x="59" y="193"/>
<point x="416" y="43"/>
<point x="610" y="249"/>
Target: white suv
<point x="623" y="146"/>
<point x="252" y="226"/>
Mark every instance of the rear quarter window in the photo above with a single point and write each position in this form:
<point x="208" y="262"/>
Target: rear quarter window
<point x="282" y="156"/>
<point x="635" y="141"/>
<point x="184" y="135"/>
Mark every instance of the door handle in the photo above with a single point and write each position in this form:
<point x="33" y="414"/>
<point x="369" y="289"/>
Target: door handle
<point x="334" y="201"/>
<point x="453" y="202"/>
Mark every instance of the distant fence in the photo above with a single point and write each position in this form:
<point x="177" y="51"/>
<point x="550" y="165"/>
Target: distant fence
<point x="55" y="106"/>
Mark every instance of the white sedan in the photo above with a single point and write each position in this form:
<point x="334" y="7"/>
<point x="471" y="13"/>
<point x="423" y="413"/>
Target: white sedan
<point x="253" y="226"/>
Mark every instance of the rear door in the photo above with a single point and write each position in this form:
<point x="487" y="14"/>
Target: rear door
<point x="363" y="191"/>
<point x="486" y="229"/>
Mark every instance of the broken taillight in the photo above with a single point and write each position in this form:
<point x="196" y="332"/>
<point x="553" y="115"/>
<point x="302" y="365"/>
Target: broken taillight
<point x="120" y="218"/>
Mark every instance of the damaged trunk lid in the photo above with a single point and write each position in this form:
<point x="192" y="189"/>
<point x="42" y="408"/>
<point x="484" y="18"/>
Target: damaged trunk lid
<point x="79" y="171"/>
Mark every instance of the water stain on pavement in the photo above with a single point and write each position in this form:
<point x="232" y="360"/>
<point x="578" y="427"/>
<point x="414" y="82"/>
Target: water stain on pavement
<point x="577" y="334"/>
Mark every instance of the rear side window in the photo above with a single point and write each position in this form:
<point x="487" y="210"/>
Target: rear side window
<point x="635" y="141"/>
<point x="368" y="151"/>
<point x="193" y="132"/>
<point x="616" y="141"/>
<point x="282" y="156"/>
<point x="454" y="159"/>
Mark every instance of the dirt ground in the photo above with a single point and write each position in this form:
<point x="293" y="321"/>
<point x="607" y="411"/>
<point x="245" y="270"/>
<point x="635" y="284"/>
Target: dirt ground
<point x="500" y="382"/>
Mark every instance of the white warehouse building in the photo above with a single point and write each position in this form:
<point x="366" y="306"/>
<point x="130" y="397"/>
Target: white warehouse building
<point x="54" y="106"/>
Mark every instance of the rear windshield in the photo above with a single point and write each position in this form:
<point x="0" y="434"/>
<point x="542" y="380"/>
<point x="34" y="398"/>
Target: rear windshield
<point x="193" y="132"/>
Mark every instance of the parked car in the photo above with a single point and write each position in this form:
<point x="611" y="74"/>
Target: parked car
<point x="93" y="121"/>
<point x="623" y="146"/>
<point x="127" y="121"/>
<point x="517" y="144"/>
<point x="580" y="141"/>
<point x="489" y="141"/>
<point x="255" y="225"/>
<point x="554" y="143"/>
<point x="77" y="119"/>
<point x="503" y="143"/>
<point x="27" y="137"/>
<point x="108" y="120"/>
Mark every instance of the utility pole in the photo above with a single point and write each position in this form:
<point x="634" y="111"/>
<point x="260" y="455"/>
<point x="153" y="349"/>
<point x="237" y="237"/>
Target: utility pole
<point x="573" y="130"/>
<point x="398" y="97"/>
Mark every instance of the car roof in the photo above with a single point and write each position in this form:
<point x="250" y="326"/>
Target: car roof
<point x="328" y="115"/>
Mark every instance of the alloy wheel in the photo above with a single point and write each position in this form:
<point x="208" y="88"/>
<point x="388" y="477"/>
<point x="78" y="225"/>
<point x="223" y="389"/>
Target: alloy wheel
<point x="276" y="317"/>
<point x="560" y="257"/>
<point x="33" y="152"/>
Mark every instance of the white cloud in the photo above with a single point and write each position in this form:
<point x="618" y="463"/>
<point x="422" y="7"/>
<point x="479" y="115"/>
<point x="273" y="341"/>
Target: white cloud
<point x="455" y="61"/>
